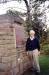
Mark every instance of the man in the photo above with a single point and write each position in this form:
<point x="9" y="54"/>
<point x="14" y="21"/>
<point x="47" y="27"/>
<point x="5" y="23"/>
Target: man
<point x="33" y="49"/>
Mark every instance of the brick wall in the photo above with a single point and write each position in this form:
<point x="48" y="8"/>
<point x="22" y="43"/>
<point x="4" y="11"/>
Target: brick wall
<point x="12" y="61"/>
<point x="7" y="47"/>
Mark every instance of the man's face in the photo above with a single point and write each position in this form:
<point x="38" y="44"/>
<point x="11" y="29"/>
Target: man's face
<point x="32" y="33"/>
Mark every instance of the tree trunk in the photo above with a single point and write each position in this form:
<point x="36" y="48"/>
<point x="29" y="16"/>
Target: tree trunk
<point x="28" y="12"/>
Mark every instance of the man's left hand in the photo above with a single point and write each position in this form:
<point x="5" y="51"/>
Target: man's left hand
<point x="39" y="53"/>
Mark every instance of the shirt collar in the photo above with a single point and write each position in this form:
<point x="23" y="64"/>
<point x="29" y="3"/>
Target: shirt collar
<point x="32" y="38"/>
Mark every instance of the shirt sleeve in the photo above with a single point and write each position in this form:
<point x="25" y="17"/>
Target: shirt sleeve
<point x="38" y="43"/>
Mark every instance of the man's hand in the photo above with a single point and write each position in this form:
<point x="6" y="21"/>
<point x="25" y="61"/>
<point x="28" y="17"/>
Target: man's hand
<point x="39" y="53"/>
<point x="27" y="52"/>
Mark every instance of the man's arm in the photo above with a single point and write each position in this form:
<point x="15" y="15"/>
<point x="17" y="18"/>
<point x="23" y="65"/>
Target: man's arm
<point x="38" y="45"/>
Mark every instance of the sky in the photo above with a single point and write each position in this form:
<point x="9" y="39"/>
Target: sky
<point x="17" y="6"/>
<point x="21" y="8"/>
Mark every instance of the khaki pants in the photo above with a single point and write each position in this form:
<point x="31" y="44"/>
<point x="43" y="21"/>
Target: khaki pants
<point x="33" y="55"/>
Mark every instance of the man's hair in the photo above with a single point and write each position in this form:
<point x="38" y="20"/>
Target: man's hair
<point x="32" y="31"/>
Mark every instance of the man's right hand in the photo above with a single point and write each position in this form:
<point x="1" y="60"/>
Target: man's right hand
<point x="27" y="52"/>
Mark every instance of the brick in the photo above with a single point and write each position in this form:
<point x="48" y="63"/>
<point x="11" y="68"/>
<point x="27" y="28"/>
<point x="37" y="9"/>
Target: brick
<point x="4" y="25"/>
<point x="15" y="70"/>
<point x="21" y="67"/>
<point x="6" y="59"/>
<point x="13" y="63"/>
<point x="6" y="37"/>
<point x="2" y="66"/>
<point x="3" y="42"/>
<point x="2" y="73"/>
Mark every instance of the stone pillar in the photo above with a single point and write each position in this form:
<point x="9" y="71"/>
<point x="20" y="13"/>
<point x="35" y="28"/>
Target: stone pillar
<point x="12" y="61"/>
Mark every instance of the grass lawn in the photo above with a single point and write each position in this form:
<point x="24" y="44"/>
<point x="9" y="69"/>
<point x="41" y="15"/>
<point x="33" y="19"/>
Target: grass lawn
<point x="44" y="63"/>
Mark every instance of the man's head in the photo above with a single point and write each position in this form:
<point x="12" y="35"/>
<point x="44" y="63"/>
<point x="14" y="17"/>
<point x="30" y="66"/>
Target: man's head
<point x="32" y="33"/>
